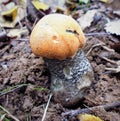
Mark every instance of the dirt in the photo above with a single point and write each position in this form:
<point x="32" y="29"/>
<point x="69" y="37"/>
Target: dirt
<point x="19" y="66"/>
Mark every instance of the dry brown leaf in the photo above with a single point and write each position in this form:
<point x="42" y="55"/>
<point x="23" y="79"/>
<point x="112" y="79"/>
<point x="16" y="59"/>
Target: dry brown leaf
<point x="113" y="27"/>
<point x="117" y="12"/>
<point x="17" y="32"/>
<point x="10" y="13"/>
<point x="17" y="14"/>
<point x="86" y="20"/>
<point x="7" y="24"/>
<point x="54" y="3"/>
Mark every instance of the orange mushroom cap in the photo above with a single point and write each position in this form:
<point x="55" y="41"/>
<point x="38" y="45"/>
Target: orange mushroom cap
<point x="56" y="36"/>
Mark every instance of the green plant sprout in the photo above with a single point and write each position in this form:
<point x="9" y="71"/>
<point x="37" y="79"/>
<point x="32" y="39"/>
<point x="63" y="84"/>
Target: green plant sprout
<point x="5" y="119"/>
<point x="13" y="88"/>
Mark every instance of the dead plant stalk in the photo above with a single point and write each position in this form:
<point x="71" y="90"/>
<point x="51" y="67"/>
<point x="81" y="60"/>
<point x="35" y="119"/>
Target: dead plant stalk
<point x="88" y="110"/>
<point x="9" y="114"/>
<point x="45" y="111"/>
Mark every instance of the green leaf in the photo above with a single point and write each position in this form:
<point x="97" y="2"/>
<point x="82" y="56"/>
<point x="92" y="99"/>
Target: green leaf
<point x="41" y="89"/>
<point x="84" y="1"/>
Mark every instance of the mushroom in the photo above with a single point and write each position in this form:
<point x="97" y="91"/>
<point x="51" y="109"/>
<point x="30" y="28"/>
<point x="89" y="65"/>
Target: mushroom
<point x="59" y="40"/>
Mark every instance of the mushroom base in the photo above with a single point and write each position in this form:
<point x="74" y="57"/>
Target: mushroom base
<point x="70" y="78"/>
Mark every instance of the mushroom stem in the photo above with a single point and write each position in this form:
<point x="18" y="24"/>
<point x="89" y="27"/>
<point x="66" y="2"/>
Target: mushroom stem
<point x="70" y="78"/>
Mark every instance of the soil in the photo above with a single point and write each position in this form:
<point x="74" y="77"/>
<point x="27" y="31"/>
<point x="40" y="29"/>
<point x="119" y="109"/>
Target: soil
<point x="19" y="66"/>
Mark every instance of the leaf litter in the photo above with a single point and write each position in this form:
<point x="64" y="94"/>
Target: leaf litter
<point x="113" y="27"/>
<point x="87" y="19"/>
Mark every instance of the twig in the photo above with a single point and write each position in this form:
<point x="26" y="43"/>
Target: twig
<point x="7" y="57"/>
<point x="34" y="23"/>
<point x="111" y="61"/>
<point x="114" y="70"/>
<point x="108" y="49"/>
<point x="4" y="49"/>
<point x="19" y="22"/>
<point x="102" y="44"/>
<point x="96" y="45"/>
<point x="88" y="110"/>
<point x="21" y="39"/>
<point x="96" y="34"/>
<point x="45" y="111"/>
<point x="9" y="114"/>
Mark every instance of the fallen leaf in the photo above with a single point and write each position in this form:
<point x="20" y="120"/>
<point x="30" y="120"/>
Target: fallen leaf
<point x="8" y="17"/>
<point x="117" y="12"/>
<point x="15" y="15"/>
<point x="23" y="3"/>
<point x="33" y="14"/>
<point x="21" y="14"/>
<point x="17" y="32"/>
<point x="88" y="117"/>
<point x="86" y="19"/>
<point x="105" y="1"/>
<point x="54" y="3"/>
<point x="12" y="13"/>
<point x="38" y="5"/>
<point x="7" y="24"/>
<point x="113" y="27"/>
<point x="9" y="6"/>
